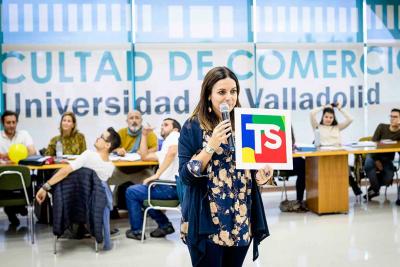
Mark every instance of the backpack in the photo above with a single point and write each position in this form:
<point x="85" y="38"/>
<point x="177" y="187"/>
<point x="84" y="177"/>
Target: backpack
<point x="292" y="206"/>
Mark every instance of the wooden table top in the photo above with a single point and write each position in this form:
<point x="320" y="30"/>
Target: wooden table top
<point x="119" y="163"/>
<point x="350" y="150"/>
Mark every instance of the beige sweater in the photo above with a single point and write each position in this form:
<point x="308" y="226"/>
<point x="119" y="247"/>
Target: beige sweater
<point x="329" y="135"/>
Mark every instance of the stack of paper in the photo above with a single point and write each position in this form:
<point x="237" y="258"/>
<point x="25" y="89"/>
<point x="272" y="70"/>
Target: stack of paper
<point x="388" y="142"/>
<point x="364" y="144"/>
<point x="331" y="148"/>
<point x="70" y="157"/>
<point x="305" y="147"/>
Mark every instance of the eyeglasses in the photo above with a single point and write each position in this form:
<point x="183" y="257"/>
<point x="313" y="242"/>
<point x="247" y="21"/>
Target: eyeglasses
<point x="102" y="137"/>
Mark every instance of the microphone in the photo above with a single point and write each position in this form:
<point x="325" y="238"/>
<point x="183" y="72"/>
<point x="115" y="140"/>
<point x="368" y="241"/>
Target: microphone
<point x="224" y="108"/>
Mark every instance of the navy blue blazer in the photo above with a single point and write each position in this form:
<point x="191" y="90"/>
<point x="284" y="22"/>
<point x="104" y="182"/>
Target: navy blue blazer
<point x="196" y="206"/>
<point x="80" y="198"/>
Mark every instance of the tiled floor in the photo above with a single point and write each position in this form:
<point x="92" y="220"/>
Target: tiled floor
<point x="368" y="236"/>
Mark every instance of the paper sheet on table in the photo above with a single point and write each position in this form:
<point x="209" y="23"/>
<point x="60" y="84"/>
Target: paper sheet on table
<point x="331" y="148"/>
<point x="70" y="157"/>
<point x="388" y="142"/>
<point x="364" y="144"/>
<point x="127" y="157"/>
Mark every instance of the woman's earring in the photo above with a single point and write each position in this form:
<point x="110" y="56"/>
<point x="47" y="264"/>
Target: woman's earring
<point x="209" y="106"/>
<point x="209" y="109"/>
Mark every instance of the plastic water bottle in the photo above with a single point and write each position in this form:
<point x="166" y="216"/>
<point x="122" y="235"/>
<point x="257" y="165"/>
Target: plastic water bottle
<point x="317" y="141"/>
<point x="59" y="150"/>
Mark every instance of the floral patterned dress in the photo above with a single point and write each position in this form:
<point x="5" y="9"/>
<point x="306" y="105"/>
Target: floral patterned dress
<point x="229" y="194"/>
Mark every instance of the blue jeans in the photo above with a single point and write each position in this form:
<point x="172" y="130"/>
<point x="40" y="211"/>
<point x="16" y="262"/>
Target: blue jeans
<point x="136" y="194"/>
<point x="385" y="177"/>
<point x="106" y="217"/>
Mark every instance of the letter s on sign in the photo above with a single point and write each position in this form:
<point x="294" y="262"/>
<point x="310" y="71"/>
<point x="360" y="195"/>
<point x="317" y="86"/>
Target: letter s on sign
<point x="271" y="135"/>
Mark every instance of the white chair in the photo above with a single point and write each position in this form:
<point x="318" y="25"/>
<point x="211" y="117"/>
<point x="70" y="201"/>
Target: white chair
<point x="158" y="204"/>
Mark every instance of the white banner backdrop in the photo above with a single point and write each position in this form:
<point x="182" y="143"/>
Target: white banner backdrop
<point x="41" y="82"/>
<point x="169" y="77"/>
<point x="384" y="62"/>
<point x="305" y="77"/>
<point x="287" y="78"/>
<point x="44" y="82"/>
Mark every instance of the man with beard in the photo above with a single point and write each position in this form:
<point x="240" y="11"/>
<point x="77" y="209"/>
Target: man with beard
<point x="168" y="170"/>
<point x="132" y="141"/>
<point x="9" y="136"/>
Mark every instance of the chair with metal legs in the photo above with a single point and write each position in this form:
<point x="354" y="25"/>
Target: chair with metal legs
<point x="282" y="175"/>
<point x="92" y="192"/>
<point x="360" y="174"/>
<point x="158" y="204"/>
<point x="13" y="180"/>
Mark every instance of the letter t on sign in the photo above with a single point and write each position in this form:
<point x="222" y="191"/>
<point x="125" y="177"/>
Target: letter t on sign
<point x="258" y="128"/>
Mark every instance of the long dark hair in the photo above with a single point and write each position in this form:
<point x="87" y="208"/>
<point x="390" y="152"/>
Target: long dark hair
<point x="329" y="110"/>
<point x="209" y="120"/>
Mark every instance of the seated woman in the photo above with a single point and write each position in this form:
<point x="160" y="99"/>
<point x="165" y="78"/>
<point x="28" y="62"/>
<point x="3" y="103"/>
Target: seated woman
<point x="329" y="131"/>
<point x="328" y="127"/>
<point x="72" y="140"/>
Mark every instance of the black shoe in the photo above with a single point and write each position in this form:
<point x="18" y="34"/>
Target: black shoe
<point x="130" y="234"/>
<point x="161" y="232"/>
<point x="356" y="189"/>
<point x="302" y="207"/>
<point x="82" y="232"/>
<point x="12" y="229"/>
<point x="14" y="221"/>
<point x="114" y="231"/>
<point x="23" y="211"/>
<point x="371" y="194"/>
<point x="114" y="214"/>
<point x="68" y="234"/>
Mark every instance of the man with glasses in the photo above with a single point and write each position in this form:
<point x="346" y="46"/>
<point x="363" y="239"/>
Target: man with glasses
<point x="379" y="166"/>
<point x="96" y="160"/>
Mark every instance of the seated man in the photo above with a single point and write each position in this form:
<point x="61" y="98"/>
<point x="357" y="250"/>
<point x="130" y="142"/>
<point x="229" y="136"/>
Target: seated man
<point x="132" y="141"/>
<point x="98" y="161"/>
<point x="379" y="167"/>
<point x="169" y="167"/>
<point x="9" y="136"/>
<point x="299" y="170"/>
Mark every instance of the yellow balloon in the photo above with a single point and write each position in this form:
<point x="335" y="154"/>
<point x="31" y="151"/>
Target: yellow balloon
<point x="17" y="152"/>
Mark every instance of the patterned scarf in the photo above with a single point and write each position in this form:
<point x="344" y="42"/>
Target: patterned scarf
<point x="138" y="135"/>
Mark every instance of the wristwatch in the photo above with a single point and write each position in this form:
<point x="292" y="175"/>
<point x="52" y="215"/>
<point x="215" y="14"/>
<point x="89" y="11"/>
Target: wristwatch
<point x="209" y="149"/>
<point x="46" y="187"/>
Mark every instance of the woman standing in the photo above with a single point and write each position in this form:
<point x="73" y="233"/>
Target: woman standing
<point x="72" y="140"/>
<point x="222" y="211"/>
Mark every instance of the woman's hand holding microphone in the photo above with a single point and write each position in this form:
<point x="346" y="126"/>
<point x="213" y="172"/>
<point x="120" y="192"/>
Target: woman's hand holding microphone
<point x="220" y="134"/>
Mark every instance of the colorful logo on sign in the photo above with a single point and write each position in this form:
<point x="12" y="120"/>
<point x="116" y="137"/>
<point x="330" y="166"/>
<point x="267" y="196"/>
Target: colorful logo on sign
<point x="263" y="138"/>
